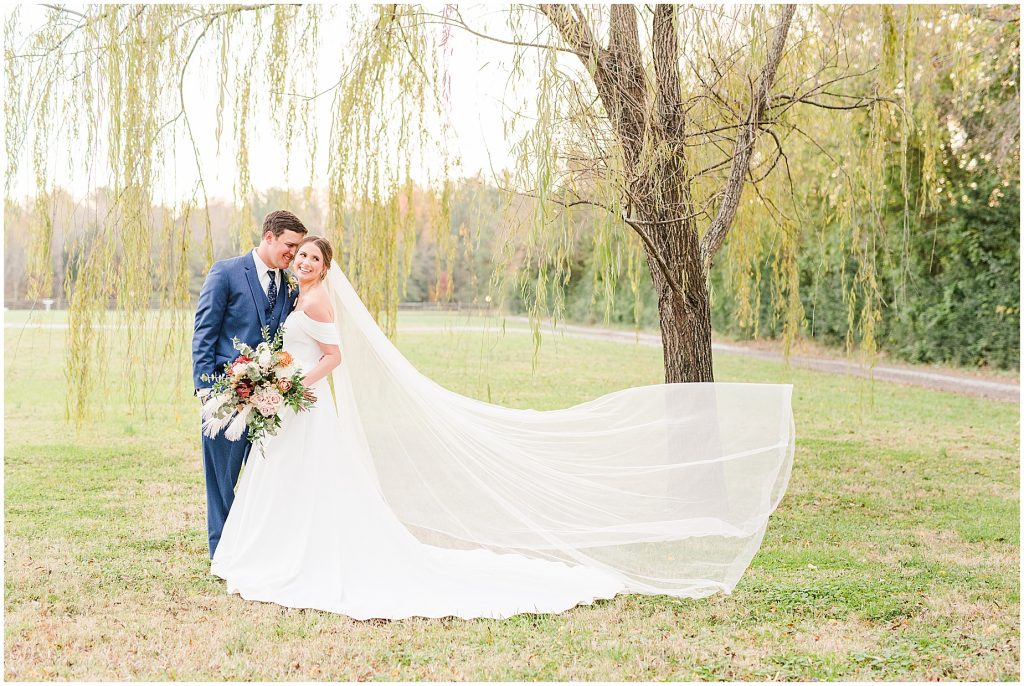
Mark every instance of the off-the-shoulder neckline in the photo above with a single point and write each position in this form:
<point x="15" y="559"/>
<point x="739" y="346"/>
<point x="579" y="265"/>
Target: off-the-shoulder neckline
<point x="310" y="318"/>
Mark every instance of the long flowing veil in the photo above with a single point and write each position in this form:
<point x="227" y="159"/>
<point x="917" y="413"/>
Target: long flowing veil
<point x="667" y="486"/>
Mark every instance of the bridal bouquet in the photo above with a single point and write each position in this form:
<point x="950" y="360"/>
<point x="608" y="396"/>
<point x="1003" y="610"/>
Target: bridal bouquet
<point x="253" y="390"/>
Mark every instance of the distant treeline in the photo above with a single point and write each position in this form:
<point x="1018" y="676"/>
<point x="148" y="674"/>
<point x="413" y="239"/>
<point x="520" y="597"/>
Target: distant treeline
<point x="953" y="299"/>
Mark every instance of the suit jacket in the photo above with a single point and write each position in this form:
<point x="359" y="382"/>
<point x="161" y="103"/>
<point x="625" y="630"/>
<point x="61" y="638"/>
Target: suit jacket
<point x="233" y="304"/>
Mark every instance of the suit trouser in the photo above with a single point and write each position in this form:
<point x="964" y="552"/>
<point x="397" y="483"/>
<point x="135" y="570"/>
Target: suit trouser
<point x="222" y="462"/>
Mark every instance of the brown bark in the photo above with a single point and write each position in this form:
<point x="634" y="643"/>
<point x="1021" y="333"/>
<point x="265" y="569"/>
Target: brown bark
<point x="684" y="315"/>
<point x="684" y="312"/>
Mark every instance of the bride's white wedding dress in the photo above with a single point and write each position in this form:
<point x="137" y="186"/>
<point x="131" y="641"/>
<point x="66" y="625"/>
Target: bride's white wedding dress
<point x="309" y="528"/>
<point x="400" y="498"/>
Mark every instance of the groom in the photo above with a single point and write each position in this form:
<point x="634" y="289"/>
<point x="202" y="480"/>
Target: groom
<point x="239" y="297"/>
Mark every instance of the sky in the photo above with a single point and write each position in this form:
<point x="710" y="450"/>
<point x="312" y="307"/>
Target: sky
<point x="478" y="71"/>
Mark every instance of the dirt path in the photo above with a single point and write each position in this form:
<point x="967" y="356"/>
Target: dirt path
<point x="954" y="381"/>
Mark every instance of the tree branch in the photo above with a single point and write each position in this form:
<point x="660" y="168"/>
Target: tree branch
<point x="60" y="8"/>
<point x="744" y="147"/>
<point x="633" y="224"/>
<point x="861" y="103"/>
<point x="574" y="31"/>
<point x="666" y="70"/>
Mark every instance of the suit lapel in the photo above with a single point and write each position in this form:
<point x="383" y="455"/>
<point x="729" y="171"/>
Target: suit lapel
<point x="284" y="298"/>
<point x="258" y="296"/>
<point x="291" y="295"/>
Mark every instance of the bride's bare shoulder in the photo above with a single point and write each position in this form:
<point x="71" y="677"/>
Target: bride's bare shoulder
<point x="317" y="306"/>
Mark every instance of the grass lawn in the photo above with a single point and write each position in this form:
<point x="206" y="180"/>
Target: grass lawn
<point x="894" y="556"/>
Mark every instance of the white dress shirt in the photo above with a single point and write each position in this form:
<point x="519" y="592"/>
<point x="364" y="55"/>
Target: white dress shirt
<point x="264" y="273"/>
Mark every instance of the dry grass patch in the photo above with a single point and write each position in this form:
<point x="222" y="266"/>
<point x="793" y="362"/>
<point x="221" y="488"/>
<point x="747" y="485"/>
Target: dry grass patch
<point x="978" y="616"/>
<point x="950" y="549"/>
<point x="839" y="637"/>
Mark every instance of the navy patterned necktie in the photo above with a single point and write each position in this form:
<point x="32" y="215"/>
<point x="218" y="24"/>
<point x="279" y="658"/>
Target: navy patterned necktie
<point x="272" y="291"/>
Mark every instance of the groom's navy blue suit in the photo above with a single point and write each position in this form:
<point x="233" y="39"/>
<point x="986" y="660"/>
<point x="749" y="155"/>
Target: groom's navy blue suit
<point x="232" y="304"/>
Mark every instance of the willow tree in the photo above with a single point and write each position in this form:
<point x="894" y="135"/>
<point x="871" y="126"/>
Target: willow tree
<point x="689" y="131"/>
<point x="679" y="123"/>
<point x="105" y="90"/>
<point x="651" y="113"/>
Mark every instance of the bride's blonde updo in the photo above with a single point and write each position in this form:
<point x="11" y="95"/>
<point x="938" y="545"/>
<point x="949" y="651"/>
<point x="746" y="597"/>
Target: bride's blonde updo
<point x="325" y="248"/>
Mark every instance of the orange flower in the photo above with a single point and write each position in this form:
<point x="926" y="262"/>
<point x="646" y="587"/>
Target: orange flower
<point x="284" y="358"/>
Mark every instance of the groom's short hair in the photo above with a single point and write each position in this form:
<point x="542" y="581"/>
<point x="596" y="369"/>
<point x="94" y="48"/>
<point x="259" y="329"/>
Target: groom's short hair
<point x="279" y="221"/>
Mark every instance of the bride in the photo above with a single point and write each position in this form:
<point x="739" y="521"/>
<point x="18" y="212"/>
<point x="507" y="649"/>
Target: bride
<point x="401" y="498"/>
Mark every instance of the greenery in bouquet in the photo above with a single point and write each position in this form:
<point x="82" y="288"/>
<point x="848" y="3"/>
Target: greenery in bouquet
<point x="253" y="390"/>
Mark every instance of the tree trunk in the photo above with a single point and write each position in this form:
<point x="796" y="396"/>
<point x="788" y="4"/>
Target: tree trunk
<point x="685" y="317"/>
<point x="683" y="306"/>
<point x="686" y="334"/>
